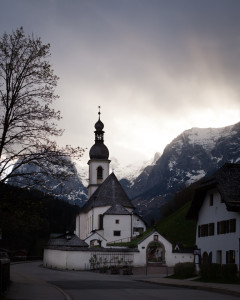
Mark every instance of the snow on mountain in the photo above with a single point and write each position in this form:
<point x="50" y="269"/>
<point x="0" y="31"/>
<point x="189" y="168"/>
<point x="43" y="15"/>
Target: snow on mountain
<point x="195" y="153"/>
<point x="71" y="189"/>
<point x="82" y="170"/>
<point x="207" y="137"/>
<point x="131" y="171"/>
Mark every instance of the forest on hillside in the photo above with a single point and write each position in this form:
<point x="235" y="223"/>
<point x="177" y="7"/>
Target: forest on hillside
<point x="28" y="217"/>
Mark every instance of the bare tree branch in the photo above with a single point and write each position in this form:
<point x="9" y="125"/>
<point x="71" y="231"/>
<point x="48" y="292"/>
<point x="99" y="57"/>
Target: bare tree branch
<point x="27" y="121"/>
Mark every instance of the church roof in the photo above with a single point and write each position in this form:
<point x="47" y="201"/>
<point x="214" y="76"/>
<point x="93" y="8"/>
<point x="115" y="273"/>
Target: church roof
<point x="109" y="193"/>
<point x="117" y="209"/>
<point x="227" y="182"/>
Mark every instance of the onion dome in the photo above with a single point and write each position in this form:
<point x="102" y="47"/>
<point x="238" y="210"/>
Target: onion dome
<point x="99" y="125"/>
<point x="99" y="150"/>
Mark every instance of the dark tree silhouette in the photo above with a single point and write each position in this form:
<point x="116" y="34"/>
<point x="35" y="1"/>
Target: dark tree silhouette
<point x="27" y="121"/>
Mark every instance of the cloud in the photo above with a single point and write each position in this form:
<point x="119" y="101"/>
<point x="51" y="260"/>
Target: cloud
<point x="156" y="67"/>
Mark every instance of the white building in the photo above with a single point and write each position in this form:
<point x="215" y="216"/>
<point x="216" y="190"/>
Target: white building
<point x="216" y="206"/>
<point x="108" y="215"/>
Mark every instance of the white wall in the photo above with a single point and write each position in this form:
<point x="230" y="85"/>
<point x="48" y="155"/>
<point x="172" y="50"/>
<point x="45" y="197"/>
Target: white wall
<point x="109" y="225"/>
<point x="78" y="260"/>
<point x="96" y="212"/>
<point x="170" y="257"/>
<point x="93" y="181"/>
<point x="83" y="225"/>
<point x="138" y="223"/>
<point x="66" y="260"/>
<point x="86" y="222"/>
<point x="213" y="214"/>
<point x="96" y="236"/>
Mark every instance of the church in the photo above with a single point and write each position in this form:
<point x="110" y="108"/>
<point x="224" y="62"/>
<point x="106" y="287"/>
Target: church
<point x="108" y="215"/>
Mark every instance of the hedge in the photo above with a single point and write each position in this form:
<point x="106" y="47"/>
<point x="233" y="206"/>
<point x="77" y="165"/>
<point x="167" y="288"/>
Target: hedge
<point x="184" y="269"/>
<point x="216" y="271"/>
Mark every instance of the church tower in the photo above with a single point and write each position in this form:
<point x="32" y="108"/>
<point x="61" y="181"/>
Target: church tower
<point x="99" y="162"/>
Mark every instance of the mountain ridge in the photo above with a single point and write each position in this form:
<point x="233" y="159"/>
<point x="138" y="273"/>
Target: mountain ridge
<point x="193" y="154"/>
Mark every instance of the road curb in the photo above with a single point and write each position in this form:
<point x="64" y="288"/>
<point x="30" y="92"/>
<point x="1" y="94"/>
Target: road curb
<point x="43" y="282"/>
<point x="67" y="297"/>
<point x="194" y="287"/>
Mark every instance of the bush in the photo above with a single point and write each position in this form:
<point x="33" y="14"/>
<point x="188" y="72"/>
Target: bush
<point x="210" y="271"/>
<point x="229" y="272"/>
<point x="184" y="269"/>
<point x="213" y="271"/>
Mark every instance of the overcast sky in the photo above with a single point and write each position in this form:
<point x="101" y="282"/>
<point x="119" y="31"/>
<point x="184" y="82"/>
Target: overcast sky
<point x="156" y="67"/>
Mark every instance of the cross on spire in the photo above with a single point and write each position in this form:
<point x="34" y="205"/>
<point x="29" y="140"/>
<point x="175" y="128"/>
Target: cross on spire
<point x="99" y="112"/>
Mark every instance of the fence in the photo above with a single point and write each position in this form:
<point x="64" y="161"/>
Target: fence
<point x="101" y="259"/>
<point x="4" y="274"/>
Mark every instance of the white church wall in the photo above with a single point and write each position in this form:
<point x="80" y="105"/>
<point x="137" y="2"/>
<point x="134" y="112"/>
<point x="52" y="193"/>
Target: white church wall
<point x="94" y="182"/>
<point x="93" y="165"/>
<point x="116" y="223"/>
<point x="96" y="212"/>
<point x="218" y="242"/>
<point x="83" y="226"/>
<point x="137" y="223"/>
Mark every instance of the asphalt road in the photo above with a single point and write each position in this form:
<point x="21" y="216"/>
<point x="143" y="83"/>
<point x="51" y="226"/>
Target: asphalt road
<point x="77" y="285"/>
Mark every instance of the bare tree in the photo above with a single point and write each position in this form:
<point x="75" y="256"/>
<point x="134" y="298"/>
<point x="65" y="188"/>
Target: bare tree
<point x="27" y="121"/>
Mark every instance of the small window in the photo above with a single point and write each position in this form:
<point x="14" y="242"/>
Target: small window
<point x="211" y="200"/>
<point x="199" y="230"/>
<point x="99" y="173"/>
<point x="117" y="233"/>
<point x="117" y="221"/>
<point x="100" y="222"/>
<point x="230" y="257"/>
<point x="211" y="229"/>
<point x="232" y="225"/>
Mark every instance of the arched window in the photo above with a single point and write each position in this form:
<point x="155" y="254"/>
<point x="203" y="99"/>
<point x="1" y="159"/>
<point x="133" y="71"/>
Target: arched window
<point x="99" y="173"/>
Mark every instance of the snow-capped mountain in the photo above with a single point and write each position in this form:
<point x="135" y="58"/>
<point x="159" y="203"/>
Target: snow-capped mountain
<point x="71" y="189"/>
<point x="190" y="156"/>
<point x="129" y="172"/>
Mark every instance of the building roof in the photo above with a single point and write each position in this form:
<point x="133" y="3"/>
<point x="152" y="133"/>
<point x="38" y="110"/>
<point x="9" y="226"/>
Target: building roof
<point x="117" y="209"/>
<point x="109" y="193"/>
<point x="227" y="182"/>
<point x="99" y="151"/>
<point x="67" y="241"/>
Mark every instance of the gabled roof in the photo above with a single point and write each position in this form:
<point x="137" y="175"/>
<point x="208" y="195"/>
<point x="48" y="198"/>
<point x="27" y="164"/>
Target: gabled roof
<point x="117" y="209"/>
<point x="227" y="182"/>
<point x="109" y="193"/>
<point x="67" y="241"/>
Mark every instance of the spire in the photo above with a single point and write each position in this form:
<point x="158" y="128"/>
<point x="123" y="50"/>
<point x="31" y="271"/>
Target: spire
<point x="99" y="150"/>
<point x="99" y="133"/>
<point x="99" y="112"/>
